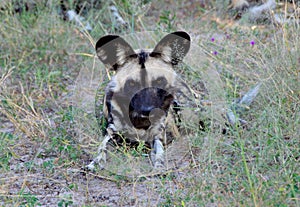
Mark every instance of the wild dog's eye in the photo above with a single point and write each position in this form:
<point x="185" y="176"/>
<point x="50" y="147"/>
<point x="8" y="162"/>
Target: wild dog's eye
<point x="131" y="83"/>
<point x="159" y="82"/>
<point x="131" y="86"/>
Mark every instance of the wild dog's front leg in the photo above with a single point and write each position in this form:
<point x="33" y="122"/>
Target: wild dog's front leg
<point x="101" y="157"/>
<point x="157" y="153"/>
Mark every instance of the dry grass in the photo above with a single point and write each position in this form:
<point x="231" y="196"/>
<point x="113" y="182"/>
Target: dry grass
<point x="48" y="80"/>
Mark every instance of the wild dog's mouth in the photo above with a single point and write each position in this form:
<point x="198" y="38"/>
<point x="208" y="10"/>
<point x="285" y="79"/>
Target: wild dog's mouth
<point x="149" y="106"/>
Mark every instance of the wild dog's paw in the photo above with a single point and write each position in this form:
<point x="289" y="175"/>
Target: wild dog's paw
<point x="157" y="156"/>
<point x="159" y="166"/>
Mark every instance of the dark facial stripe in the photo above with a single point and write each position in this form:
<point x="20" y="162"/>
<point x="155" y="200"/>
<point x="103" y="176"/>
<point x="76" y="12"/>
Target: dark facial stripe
<point x="143" y="73"/>
<point x="142" y="58"/>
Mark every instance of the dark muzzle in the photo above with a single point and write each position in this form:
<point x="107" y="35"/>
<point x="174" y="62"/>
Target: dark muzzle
<point x="148" y="106"/>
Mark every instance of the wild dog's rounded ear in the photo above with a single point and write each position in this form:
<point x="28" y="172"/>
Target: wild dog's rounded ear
<point x="173" y="47"/>
<point x="113" y="51"/>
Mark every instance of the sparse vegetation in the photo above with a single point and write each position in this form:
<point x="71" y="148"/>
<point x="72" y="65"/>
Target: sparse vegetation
<point x="48" y="131"/>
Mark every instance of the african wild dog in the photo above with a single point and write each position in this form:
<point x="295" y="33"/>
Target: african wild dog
<point x="142" y="97"/>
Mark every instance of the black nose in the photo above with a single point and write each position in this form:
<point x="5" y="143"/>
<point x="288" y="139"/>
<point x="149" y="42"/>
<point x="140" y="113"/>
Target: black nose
<point x="145" y="110"/>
